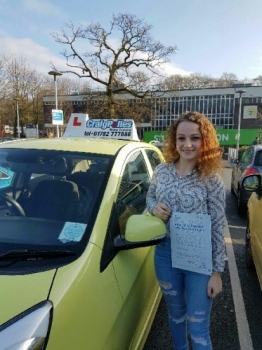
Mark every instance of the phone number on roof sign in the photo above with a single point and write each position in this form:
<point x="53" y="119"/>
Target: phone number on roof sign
<point x="108" y="133"/>
<point x="109" y="123"/>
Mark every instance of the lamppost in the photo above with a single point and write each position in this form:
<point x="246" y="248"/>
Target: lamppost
<point x="240" y="92"/>
<point x="17" y="117"/>
<point x="55" y="73"/>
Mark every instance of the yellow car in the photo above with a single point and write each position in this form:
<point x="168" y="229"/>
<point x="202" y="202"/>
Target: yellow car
<point x="76" y="241"/>
<point x="253" y="248"/>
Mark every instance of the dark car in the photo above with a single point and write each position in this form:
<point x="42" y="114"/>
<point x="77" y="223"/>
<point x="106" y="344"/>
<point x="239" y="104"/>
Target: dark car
<point x="5" y="139"/>
<point x="250" y="163"/>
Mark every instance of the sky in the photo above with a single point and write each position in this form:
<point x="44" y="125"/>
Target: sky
<point x="212" y="36"/>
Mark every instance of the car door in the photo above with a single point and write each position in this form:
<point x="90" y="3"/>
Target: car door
<point x="134" y="268"/>
<point x="255" y="210"/>
<point x="241" y="166"/>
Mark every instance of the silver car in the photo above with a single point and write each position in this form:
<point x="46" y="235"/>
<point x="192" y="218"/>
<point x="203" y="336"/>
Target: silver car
<point x="250" y="163"/>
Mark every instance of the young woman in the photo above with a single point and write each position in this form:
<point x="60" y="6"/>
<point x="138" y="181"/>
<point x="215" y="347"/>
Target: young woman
<point x="189" y="182"/>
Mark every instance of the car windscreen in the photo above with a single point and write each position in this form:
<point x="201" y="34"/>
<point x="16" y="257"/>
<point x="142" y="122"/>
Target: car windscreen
<point x="51" y="198"/>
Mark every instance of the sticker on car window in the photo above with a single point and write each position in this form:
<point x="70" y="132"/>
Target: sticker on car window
<point x="72" y="232"/>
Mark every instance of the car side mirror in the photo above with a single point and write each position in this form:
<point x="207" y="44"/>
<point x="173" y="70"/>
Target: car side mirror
<point x="140" y="231"/>
<point x="144" y="228"/>
<point x="252" y="183"/>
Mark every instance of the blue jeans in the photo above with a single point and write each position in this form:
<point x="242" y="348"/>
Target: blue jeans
<point x="188" y="304"/>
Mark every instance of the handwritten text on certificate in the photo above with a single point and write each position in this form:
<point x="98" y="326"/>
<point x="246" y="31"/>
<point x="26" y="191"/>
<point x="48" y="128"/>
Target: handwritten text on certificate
<point x="191" y="242"/>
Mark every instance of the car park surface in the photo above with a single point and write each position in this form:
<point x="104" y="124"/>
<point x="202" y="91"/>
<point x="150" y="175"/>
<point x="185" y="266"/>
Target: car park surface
<point x="250" y="163"/>
<point x="76" y="246"/>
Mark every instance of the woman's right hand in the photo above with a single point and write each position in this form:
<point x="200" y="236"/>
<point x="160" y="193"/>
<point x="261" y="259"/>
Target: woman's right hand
<point x="162" y="211"/>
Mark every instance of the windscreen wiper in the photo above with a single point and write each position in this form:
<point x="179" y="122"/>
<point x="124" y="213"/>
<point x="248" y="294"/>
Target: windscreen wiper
<point x="27" y="254"/>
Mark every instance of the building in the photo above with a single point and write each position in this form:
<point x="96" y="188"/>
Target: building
<point x="220" y="105"/>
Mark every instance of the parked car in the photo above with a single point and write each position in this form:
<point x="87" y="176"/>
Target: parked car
<point x="5" y="139"/>
<point x="253" y="247"/>
<point x="77" y="242"/>
<point x="250" y="163"/>
<point x="42" y="133"/>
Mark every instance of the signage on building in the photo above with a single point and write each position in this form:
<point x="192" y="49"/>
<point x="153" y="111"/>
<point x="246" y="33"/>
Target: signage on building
<point x="229" y="137"/>
<point x="226" y="137"/>
<point x="57" y="117"/>
<point x="250" y="112"/>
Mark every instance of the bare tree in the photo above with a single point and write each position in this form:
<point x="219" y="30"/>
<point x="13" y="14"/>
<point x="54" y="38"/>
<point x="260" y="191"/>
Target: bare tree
<point x="29" y="87"/>
<point x="121" y="66"/>
<point x="3" y="79"/>
<point x="227" y="80"/>
<point x="40" y="85"/>
<point x="69" y="86"/>
<point x="19" y="76"/>
<point x="198" y="81"/>
<point x="3" y="82"/>
<point x="258" y="80"/>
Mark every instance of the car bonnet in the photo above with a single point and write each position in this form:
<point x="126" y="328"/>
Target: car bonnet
<point x="20" y="292"/>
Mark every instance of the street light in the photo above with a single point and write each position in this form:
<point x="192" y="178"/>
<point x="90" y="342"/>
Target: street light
<point x="55" y="73"/>
<point x="240" y="92"/>
<point x="17" y="117"/>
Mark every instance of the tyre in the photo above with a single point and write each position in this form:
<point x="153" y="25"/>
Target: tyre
<point x="232" y="189"/>
<point x="248" y="252"/>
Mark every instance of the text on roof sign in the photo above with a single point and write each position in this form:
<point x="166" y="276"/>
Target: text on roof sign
<point x="109" y="123"/>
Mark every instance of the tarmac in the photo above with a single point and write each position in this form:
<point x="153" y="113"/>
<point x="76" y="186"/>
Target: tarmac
<point x="227" y="164"/>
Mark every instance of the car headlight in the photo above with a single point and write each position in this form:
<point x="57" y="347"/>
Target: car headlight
<point x="29" y="330"/>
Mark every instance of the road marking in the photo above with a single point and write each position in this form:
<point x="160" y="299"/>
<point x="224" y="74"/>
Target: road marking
<point x="244" y="336"/>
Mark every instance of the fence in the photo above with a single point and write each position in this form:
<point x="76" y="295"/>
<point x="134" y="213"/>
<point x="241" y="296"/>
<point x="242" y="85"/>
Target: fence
<point x="232" y="154"/>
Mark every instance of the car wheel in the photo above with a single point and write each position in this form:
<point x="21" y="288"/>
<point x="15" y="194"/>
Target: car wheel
<point x="248" y="252"/>
<point x="241" y="207"/>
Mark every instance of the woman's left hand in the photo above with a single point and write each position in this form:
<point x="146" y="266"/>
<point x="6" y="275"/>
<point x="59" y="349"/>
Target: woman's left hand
<point x="214" y="286"/>
<point x="162" y="211"/>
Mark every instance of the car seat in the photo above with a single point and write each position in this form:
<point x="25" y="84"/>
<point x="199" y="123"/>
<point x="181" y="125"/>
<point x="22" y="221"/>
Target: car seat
<point x="53" y="199"/>
<point x="98" y="167"/>
<point x="88" y="184"/>
<point x="88" y="181"/>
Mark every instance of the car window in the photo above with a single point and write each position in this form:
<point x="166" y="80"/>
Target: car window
<point x="6" y="176"/>
<point x="51" y="194"/>
<point x="247" y="156"/>
<point x="153" y="157"/>
<point x="258" y="158"/>
<point x="131" y="198"/>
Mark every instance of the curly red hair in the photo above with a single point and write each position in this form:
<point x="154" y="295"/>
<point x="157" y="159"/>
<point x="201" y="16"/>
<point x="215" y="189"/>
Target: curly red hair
<point x="210" y="157"/>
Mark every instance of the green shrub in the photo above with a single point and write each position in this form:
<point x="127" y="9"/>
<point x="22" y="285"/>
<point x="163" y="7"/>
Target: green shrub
<point x="241" y="151"/>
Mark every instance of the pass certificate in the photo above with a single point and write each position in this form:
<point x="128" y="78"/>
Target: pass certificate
<point x="191" y="247"/>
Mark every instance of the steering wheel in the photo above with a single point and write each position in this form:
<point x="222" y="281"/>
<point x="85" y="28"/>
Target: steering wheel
<point x="18" y="209"/>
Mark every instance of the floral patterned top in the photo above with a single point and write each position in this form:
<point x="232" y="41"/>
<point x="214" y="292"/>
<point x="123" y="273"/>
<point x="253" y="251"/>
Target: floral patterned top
<point x="190" y="194"/>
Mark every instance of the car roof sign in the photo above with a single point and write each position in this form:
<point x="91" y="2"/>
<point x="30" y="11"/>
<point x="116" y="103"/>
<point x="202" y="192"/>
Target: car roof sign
<point x="79" y="125"/>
